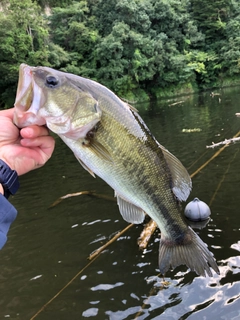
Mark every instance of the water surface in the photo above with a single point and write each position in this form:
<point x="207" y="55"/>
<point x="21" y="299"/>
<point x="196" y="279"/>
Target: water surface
<point x="48" y="247"/>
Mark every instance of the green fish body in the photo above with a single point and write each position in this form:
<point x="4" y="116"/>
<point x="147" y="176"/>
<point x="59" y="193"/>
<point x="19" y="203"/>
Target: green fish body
<point x="110" y="140"/>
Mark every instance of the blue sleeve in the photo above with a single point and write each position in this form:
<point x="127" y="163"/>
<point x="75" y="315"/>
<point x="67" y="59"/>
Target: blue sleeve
<point x="7" y="215"/>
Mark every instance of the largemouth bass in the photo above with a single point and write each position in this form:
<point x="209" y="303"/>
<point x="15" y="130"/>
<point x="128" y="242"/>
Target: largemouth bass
<point x="110" y="140"/>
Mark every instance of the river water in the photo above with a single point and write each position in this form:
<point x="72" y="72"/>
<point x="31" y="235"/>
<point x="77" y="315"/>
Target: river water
<point x="44" y="270"/>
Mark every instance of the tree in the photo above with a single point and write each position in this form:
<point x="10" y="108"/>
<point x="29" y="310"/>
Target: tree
<point x="142" y="43"/>
<point x="211" y="17"/>
<point x="23" y="38"/>
<point x="72" y="29"/>
<point x="130" y="46"/>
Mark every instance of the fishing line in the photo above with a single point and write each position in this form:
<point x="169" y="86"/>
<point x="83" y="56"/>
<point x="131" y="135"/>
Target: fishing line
<point x="213" y="157"/>
<point x="194" y="162"/>
<point x="192" y="175"/>
<point x="60" y="291"/>
<point x="223" y="178"/>
<point x="92" y="259"/>
<point x="202" y="155"/>
<point x="120" y="233"/>
<point x="99" y="250"/>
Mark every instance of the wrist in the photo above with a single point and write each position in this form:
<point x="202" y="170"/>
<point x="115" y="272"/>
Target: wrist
<point x="3" y="158"/>
<point x="8" y="179"/>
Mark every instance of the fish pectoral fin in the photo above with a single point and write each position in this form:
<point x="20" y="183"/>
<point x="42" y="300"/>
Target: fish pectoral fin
<point x="182" y="183"/>
<point x="129" y="211"/>
<point x="85" y="167"/>
<point x="100" y="151"/>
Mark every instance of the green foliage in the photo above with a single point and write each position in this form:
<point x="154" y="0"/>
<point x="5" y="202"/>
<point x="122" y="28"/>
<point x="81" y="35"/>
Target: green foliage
<point x="142" y="43"/>
<point x="72" y="29"/>
<point x="53" y="3"/>
<point x="131" y="46"/>
<point x="230" y="50"/>
<point x="212" y="17"/>
<point x="23" y="38"/>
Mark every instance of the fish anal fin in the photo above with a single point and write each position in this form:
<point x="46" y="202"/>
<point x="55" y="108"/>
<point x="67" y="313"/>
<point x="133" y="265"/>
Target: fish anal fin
<point x="129" y="211"/>
<point x="192" y="251"/>
<point x="182" y="183"/>
<point x="85" y="167"/>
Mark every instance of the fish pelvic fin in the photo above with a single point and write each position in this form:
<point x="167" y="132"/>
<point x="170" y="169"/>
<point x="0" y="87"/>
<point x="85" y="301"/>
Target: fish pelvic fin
<point x="191" y="251"/>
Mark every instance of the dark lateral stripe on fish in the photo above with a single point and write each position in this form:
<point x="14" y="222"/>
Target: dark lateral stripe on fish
<point x="151" y="143"/>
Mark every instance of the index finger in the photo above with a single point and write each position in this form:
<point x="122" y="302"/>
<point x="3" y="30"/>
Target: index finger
<point x="34" y="131"/>
<point x="7" y="113"/>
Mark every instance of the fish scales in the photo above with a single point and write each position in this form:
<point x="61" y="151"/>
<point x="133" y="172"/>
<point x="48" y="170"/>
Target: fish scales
<point x="128" y="161"/>
<point x="110" y="140"/>
<point x="135" y="162"/>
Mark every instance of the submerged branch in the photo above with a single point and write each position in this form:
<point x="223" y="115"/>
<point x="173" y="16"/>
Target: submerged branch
<point x="144" y="237"/>
<point x="175" y="103"/>
<point x="151" y="226"/>
<point x="99" y="250"/>
<point x="213" y="157"/>
<point x="146" y="234"/>
<point x="81" y="193"/>
<point x="225" y="142"/>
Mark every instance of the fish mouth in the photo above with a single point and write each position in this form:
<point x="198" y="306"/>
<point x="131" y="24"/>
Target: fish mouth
<point x="29" y="99"/>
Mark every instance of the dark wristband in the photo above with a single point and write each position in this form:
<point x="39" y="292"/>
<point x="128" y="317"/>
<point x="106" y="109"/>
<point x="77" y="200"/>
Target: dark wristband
<point x="8" y="179"/>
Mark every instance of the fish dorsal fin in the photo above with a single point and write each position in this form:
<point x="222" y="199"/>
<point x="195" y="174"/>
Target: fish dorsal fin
<point x="85" y="167"/>
<point x="129" y="211"/>
<point x="182" y="183"/>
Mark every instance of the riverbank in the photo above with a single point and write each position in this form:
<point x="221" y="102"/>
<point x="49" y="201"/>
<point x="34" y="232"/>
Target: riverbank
<point x="139" y="95"/>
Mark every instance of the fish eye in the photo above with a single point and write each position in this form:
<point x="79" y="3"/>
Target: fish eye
<point x="51" y="81"/>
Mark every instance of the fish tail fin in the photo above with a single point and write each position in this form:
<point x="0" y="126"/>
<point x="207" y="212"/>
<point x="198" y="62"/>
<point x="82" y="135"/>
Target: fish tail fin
<point x="191" y="251"/>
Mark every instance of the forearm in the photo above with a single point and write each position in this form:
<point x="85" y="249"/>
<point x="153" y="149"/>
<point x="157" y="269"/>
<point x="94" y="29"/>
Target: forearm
<point x="7" y="215"/>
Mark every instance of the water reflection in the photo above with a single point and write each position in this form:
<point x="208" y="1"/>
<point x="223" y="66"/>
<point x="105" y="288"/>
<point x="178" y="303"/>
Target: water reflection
<point x="48" y="248"/>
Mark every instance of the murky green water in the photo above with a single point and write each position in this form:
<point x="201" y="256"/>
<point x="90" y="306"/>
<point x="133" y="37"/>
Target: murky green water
<point x="48" y="247"/>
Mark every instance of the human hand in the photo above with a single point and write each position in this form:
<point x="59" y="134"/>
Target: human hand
<point x="26" y="149"/>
